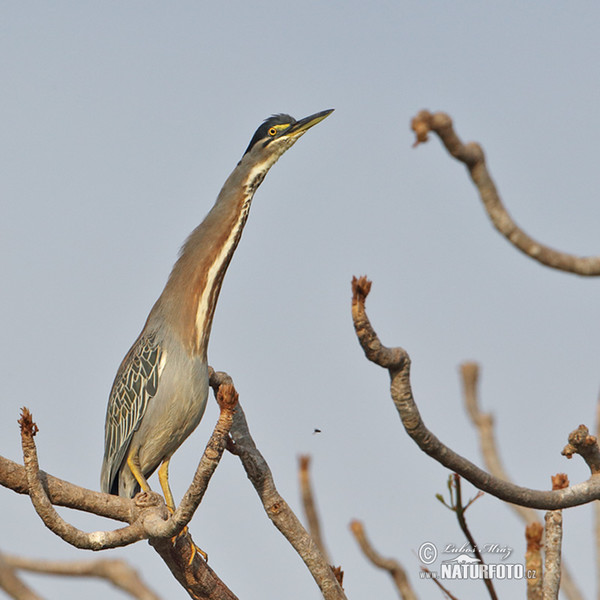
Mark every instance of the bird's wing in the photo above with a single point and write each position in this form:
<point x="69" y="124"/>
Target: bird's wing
<point x="135" y="384"/>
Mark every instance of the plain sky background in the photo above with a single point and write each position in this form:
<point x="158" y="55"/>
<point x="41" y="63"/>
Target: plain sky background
<point x="121" y="121"/>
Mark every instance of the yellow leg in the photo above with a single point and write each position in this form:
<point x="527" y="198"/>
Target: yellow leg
<point x="163" y="477"/>
<point x="133" y="462"/>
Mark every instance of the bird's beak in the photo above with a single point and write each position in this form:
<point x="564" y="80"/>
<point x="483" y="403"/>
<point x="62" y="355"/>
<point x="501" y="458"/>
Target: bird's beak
<point x="303" y="125"/>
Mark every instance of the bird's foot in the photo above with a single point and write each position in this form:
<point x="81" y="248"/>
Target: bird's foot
<point x="185" y="532"/>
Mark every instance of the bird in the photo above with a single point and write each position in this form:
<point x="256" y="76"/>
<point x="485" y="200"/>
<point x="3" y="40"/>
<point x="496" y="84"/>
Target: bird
<point x="160" y="390"/>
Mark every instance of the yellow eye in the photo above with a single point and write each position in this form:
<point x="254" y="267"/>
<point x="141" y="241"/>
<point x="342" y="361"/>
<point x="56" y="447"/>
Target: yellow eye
<point x="272" y="132"/>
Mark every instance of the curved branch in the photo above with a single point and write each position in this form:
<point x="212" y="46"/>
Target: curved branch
<point x="117" y="571"/>
<point x="472" y="156"/>
<point x="397" y="361"/>
<point x="97" y="540"/>
<point x="392" y="566"/>
<point x="275" y="506"/>
<point x="11" y="583"/>
<point x="147" y="513"/>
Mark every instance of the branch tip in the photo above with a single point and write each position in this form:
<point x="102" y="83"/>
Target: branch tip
<point x="27" y="424"/>
<point x="586" y="445"/>
<point x="533" y="535"/>
<point x="560" y="481"/>
<point x="227" y="397"/>
<point x="361" y="287"/>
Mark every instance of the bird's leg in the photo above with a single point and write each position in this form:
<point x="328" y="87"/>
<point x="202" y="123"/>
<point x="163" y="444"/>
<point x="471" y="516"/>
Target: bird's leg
<point x="133" y="462"/>
<point x="163" y="477"/>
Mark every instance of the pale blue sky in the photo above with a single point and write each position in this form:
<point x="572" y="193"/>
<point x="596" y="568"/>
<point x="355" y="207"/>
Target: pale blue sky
<point x="120" y="122"/>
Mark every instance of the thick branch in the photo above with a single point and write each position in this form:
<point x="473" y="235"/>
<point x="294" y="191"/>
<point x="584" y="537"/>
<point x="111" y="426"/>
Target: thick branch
<point x="472" y="156"/>
<point x="63" y="493"/>
<point x="275" y="506"/>
<point x="397" y="361"/>
<point x="146" y="512"/>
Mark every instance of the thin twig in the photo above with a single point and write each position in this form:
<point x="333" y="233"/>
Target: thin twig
<point x="472" y="156"/>
<point x="392" y="566"/>
<point x="460" y="510"/>
<point x="397" y="361"/>
<point x="309" y="504"/>
<point x="437" y="582"/>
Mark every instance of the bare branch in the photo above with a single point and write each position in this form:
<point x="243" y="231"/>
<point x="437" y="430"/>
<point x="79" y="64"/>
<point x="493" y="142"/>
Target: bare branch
<point x="554" y="531"/>
<point x="397" y="361"/>
<point x="97" y="540"/>
<point x="63" y="493"/>
<point x="227" y="398"/>
<point x="147" y="512"/>
<point x="393" y="567"/>
<point x="310" y="508"/>
<point x="275" y="506"/>
<point x="193" y="573"/>
<point x="12" y="584"/>
<point x="118" y="572"/>
<point x="472" y="156"/>
<point x="533" y="560"/>
<point x="484" y="423"/>
<point x="586" y="445"/>
<point x="456" y="504"/>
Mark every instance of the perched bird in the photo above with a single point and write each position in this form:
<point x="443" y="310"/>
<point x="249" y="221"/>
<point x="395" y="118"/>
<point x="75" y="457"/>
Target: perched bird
<point x="159" y="393"/>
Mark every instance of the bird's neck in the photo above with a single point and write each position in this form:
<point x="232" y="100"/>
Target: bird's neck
<point x="189" y="299"/>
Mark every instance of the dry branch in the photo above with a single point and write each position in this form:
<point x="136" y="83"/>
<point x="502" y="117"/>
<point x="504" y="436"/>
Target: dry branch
<point x="586" y="445"/>
<point x="392" y="566"/>
<point x="472" y="156"/>
<point x="484" y="423"/>
<point x="275" y="506"/>
<point x="12" y="584"/>
<point x="397" y="361"/>
<point x="118" y="572"/>
<point x="310" y="508"/>
<point x="533" y="560"/>
<point x="146" y="513"/>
